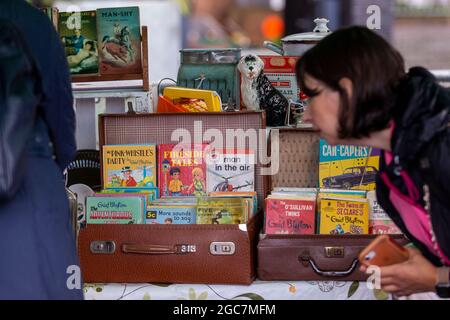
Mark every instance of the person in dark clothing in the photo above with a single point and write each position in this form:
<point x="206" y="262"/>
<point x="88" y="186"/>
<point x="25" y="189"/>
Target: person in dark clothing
<point x="37" y="245"/>
<point x="360" y="94"/>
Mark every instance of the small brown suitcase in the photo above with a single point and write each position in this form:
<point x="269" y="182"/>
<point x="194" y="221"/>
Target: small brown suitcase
<point x="222" y="254"/>
<point x="307" y="257"/>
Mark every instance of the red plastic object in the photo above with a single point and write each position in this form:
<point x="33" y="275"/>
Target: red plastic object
<point x="165" y="105"/>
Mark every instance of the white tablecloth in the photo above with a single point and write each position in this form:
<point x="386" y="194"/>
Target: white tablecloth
<point x="259" y="290"/>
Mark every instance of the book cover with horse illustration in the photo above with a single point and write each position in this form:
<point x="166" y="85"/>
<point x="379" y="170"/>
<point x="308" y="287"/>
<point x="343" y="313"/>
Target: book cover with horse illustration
<point x="119" y="34"/>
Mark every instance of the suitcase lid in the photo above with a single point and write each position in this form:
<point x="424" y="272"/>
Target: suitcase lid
<point x="298" y="158"/>
<point x="159" y="128"/>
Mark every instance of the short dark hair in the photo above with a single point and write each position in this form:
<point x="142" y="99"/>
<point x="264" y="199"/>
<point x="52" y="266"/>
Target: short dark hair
<point x="371" y="63"/>
<point x="174" y="170"/>
<point x="92" y="45"/>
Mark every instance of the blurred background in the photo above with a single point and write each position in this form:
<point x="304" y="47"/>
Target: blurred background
<point x="420" y="29"/>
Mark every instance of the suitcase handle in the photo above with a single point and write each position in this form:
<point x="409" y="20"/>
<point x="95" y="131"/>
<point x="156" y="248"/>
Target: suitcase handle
<point x="305" y="259"/>
<point x="148" y="249"/>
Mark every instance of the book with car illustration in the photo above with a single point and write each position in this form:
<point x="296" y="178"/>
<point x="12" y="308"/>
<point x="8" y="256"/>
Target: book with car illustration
<point x="348" y="167"/>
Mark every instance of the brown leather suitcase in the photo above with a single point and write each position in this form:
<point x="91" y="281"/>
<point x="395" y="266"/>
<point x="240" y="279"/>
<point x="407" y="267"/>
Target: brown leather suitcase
<point x="222" y="254"/>
<point x="307" y="257"/>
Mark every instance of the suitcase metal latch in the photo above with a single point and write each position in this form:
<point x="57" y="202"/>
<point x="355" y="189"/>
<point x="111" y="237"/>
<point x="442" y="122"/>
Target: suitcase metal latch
<point x="222" y="248"/>
<point x="103" y="247"/>
<point x="334" y="252"/>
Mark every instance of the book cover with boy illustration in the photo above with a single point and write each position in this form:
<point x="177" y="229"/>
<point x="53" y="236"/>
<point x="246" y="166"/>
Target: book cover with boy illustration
<point x="119" y="33"/>
<point x="78" y="32"/>
<point x="129" y="166"/>
<point x="230" y="170"/>
<point x="181" y="170"/>
<point x="348" y="167"/>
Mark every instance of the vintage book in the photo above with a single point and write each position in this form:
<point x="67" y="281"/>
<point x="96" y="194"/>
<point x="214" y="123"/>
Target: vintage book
<point x="230" y="170"/>
<point x="78" y="32"/>
<point x="348" y="167"/>
<point x="252" y="195"/>
<point x="290" y="216"/>
<point x="119" y="31"/>
<point x="211" y="210"/>
<point x="294" y="189"/>
<point x="383" y="227"/>
<point x="376" y="212"/>
<point x="151" y="193"/>
<point x="338" y="193"/>
<point x="188" y="201"/>
<point x="171" y="214"/>
<point x="129" y="166"/>
<point x="181" y="170"/>
<point x="343" y="216"/>
<point x="115" y="210"/>
<point x="125" y="195"/>
<point x="379" y="221"/>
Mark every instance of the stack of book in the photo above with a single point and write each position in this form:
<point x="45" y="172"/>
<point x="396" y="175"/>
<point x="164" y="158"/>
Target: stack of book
<point x="198" y="186"/>
<point x="353" y="168"/>
<point x="343" y="212"/>
<point x="291" y="211"/>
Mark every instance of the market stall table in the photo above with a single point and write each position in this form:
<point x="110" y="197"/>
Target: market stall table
<point x="258" y="290"/>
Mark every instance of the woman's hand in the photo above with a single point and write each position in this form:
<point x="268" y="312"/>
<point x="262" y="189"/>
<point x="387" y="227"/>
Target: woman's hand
<point x="413" y="276"/>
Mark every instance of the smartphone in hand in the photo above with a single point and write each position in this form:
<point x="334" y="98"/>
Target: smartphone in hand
<point x="383" y="251"/>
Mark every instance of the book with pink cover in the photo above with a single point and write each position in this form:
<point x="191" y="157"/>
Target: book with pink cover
<point x="181" y="170"/>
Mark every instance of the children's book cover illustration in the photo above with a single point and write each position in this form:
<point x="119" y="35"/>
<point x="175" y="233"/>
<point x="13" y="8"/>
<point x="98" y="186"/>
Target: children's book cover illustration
<point x="181" y="170"/>
<point x="348" y="167"/>
<point x="129" y="166"/>
<point x="230" y="170"/>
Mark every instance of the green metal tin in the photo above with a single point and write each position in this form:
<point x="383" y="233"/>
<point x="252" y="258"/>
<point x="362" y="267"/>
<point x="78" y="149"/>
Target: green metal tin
<point x="211" y="69"/>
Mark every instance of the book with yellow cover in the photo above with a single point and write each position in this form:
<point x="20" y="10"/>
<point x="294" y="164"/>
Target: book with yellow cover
<point x="348" y="167"/>
<point x="343" y="216"/>
<point x="129" y="166"/>
<point x="211" y="210"/>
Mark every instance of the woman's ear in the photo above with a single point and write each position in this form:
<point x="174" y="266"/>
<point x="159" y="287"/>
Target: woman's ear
<point x="347" y="85"/>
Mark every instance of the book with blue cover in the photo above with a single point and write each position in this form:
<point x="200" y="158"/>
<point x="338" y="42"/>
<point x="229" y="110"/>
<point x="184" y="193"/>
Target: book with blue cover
<point x="119" y="34"/>
<point x="171" y="214"/>
<point x="115" y="210"/>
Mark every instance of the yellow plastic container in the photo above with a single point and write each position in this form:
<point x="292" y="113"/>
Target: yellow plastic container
<point x="211" y="98"/>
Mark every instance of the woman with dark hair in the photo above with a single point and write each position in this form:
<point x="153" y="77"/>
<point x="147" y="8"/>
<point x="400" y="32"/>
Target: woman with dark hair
<point x="360" y="94"/>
